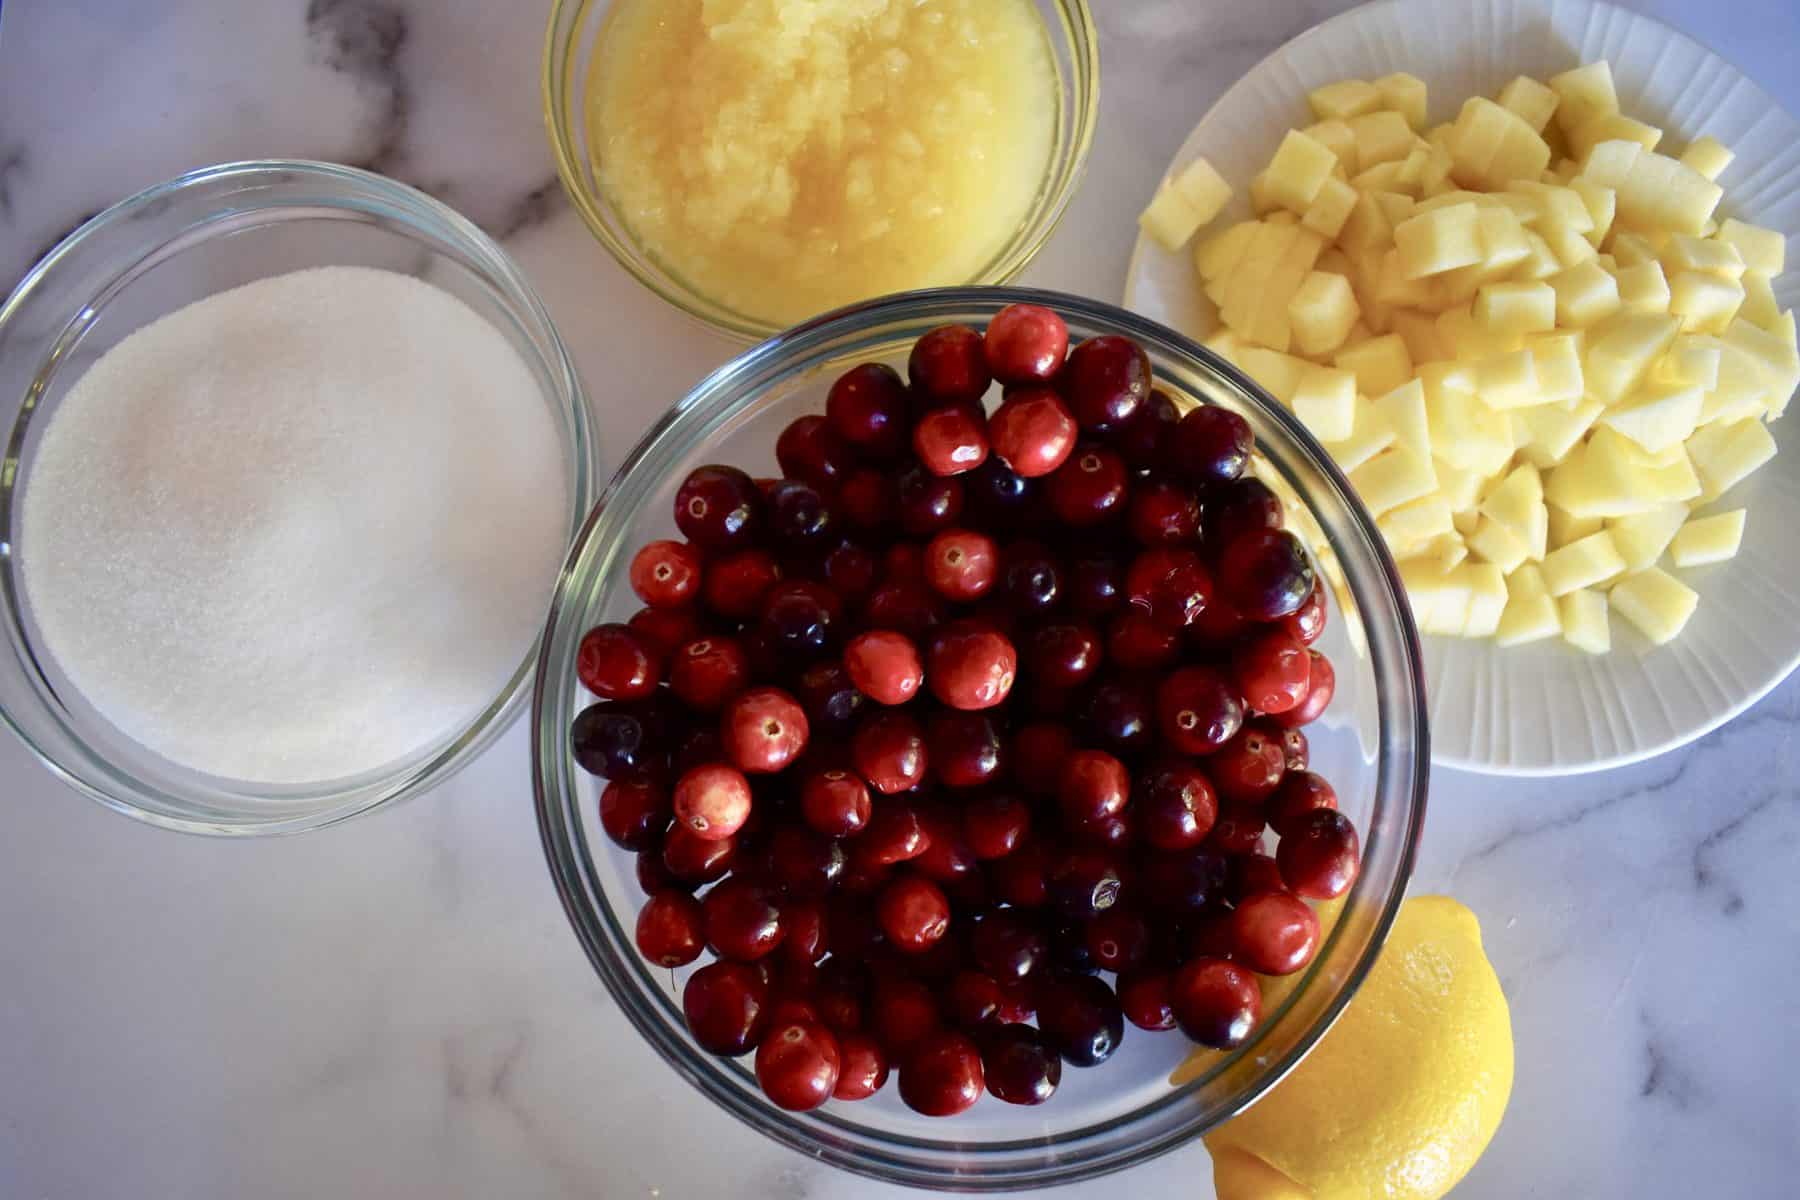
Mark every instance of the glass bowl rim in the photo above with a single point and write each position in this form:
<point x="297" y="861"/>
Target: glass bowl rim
<point x="371" y="194"/>
<point x="563" y="860"/>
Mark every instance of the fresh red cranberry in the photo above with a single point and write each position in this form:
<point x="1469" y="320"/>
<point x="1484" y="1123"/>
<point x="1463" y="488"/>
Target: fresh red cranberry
<point x="763" y="730"/>
<point x="810" y="450"/>
<point x="1033" y="432"/>
<point x="1293" y="742"/>
<point x="1299" y="794"/>
<point x="1062" y="655"/>
<point x="718" y="507"/>
<point x="803" y="933"/>
<point x="1152" y="568"/>
<point x="864" y="1067"/>
<point x="889" y="751"/>
<point x="1249" y="767"/>
<point x="999" y="500"/>
<point x="971" y="668"/>
<point x="906" y="606"/>
<point x="830" y="699"/>
<point x="1307" y="622"/>
<point x="1096" y="583"/>
<point x="670" y="929"/>
<point x="1008" y="944"/>
<point x="743" y="922"/>
<point x="666" y="574"/>
<point x="869" y="408"/>
<point x="1144" y="440"/>
<point x="712" y="802"/>
<point x="634" y="813"/>
<point x="1218" y="626"/>
<point x="1121" y="716"/>
<point x="1319" y="854"/>
<point x="1118" y="939"/>
<point x="696" y="860"/>
<point x="1272" y="671"/>
<point x="941" y="1076"/>
<point x="800" y="620"/>
<point x="1239" y="507"/>
<point x="1210" y="936"/>
<point x="951" y="440"/>
<point x="973" y="998"/>
<point x="1089" y="488"/>
<point x="707" y="672"/>
<point x="926" y="503"/>
<point x="949" y="366"/>
<point x="798" y="518"/>
<point x="1238" y="830"/>
<point x="1137" y="641"/>
<point x="806" y="862"/>
<point x="1037" y="754"/>
<point x="736" y="584"/>
<point x="850" y="571"/>
<point x="1025" y="343"/>
<point x="1022" y="878"/>
<point x="1252" y="874"/>
<point x="1321" y="687"/>
<point x="1265" y="573"/>
<point x="843" y="982"/>
<point x="1145" y="997"/>
<point x="1106" y="379"/>
<point x="615" y="664"/>
<point x="1095" y="785"/>
<point x="834" y="802"/>
<point x="961" y="564"/>
<point x="652" y="876"/>
<point x="798" y="1064"/>
<point x="884" y="665"/>
<point x="1182" y="883"/>
<point x="902" y="1013"/>
<point x="1019" y="1064"/>
<point x="913" y="912"/>
<point x="894" y="834"/>
<point x="661" y="630"/>
<point x="726" y="1005"/>
<point x="869" y="499"/>
<point x="947" y="859"/>
<point x="1197" y="711"/>
<point x="1162" y="513"/>
<point x="1031" y="578"/>
<point x="1212" y="445"/>
<point x="1083" y="881"/>
<point x="995" y="824"/>
<point x="620" y="739"/>
<point x="1080" y="1016"/>
<point x="1217" y="1002"/>
<point x="964" y="748"/>
<point x="1175" y="805"/>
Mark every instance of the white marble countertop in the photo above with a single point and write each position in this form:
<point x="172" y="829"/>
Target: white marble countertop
<point x="396" y="1008"/>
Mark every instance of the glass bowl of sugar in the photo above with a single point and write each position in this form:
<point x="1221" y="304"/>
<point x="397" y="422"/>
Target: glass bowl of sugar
<point x="294" y="459"/>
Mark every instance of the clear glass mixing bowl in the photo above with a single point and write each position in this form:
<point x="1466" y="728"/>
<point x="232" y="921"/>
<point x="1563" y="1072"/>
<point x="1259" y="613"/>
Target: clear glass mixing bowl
<point x="202" y="233"/>
<point x="1372" y="745"/>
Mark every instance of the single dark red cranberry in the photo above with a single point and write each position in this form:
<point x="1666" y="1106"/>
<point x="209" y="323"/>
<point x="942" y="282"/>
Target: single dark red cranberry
<point x="1272" y="671"/>
<point x="947" y="858"/>
<point x="1096" y="583"/>
<point x="1095" y="785"/>
<point x="718" y="507"/>
<point x="616" y="664"/>
<point x="1151" y="568"/>
<point x="894" y="834"/>
<point x="1022" y="878"/>
<point x="1175" y="805"/>
<point x="800" y="621"/>
<point x="663" y="629"/>
<point x="863" y="1069"/>
<point x="1249" y="767"/>
<point x="1208" y="935"/>
<point x="743" y="922"/>
<point x="1120" y="716"/>
<point x="884" y="665"/>
<point x="902" y="1012"/>
<point x="1320" y="854"/>
<point x="971" y="668"/>
<point x="1238" y="830"/>
<point x="1118" y="939"/>
<point x="1033" y="432"/>
<point x="1137" y="641"/>
<point x="1083" y="881"/>
<point x="1182" y="882"/>
<point x="869" y="499"/>
<point x="1144" y="440"/>
<point x="995" y="824"/>
<point x="951" y="440"/>
<point x="1091" y="487"/>
<point x="1025" y="343"/>
<point x="973" y="998"/>
<point x="1019" y="1064"/>
<point x="797" y="1065"/>
<point x="1062" y="655"/>
<point x="696" y="860"/>
<point x="949" y="366"/>
<point x="926" y="502"/>
<point x="1251" y="874"/>
<point x="961" y="565"/>
<point x="798" y="518"/>
<point x="888" y="750"/>
<point x="1217" y="1002"/>
<point x="805" y="861"/>
<point x="850" y="570"/>
<point x="1265" y="573"/>
<point x="914" y="913"/>
<point x="907" y="606"/>
<point x="964" y="748"/>
<point x="804" y="939"/>
<point x="1106" y="379"/>
<point x="1009" y="944"/>
<point x="736" y="584"/>
<point x="763" y="730"/>
<point x="1308" y="621"/>
<point x="1299" y="794"/>
<point x="1212" y="445"/>
<point x="1145" y="998"/>
<point x="671" y="929"/>
<point x="999" y="500"/>
<point x="1079" y="1015"/>
<point x="1163" y="512"/>
<point x="835" y="802"/>
<point x="713" y="801"/>
<point x="814" y="453"/>
<point x="1031" y="578"/>
<point x="829" y="697"/>
<point x="634" y="813"/>
<point x="1218" y="626"/>
<point x="666" y="574"/>
<point x="1239" y="507"/>
<point x="869" y="408"/>
<point x="652" y="876"/>
<point x="708" y="671"/>
<point x="1197" y="711"/>
<point x="1321" y="687"/>
<point x="726" y="1007"/>
<point x="941" y="1076"/>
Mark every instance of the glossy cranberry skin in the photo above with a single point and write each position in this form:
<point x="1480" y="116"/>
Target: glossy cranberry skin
<point x="1249" y="767"/>
<point x="1096" y="583"/>
<point x="850" y="570"/>
<point x="797" y="517"/>
<point x="964" y="748"/>
<point x="835" y="802"/>
<point x="1136" y="641"/>
<point x="884" y="666"/>
<point x="618" y="739"/>
<point x="1241" y="506"/>
<point x="797" y="1065"/>
<point x="1319" y="854"/>
<point x="971" y="668"/>
<point x="1307" y="622"/>
<point x="1272" y="671"/>
<point x="1121" y="716"/>
<point x="1299" y="794"/>
<point x="763" y="730"/>
<point x="695" y="860"/>
<point x="894" y="834"/>
<point x="712" y="802"/>
<point x="949" y="366"/>
<point x="1106" y="380"/>
<point x="902" y="1013"/>
<point x="1218" y="627"/>
<point x="1080" y="1017"/>
<point x="813" y="452"/>
<point x="1182" y="883"/>
<point x="666" y="574"/>
<point x="1145" y="999"/>
<point x="961" y="565"/>
<point x="888" y="750"/>
<point x="1062" y="655"/>
<point x="743" y="922"/>
<point x="1025" y="343"/>
<point x="829" y="697"/>
<point x="906" y="606"/>
<point x="661" y="630"/>
<point x="616" y="664"/>
<point x="1217" y="1002"/>
<point x="1083" y="881"/>
<point x="1008" y="944"/>
<point x="1197" y="711"/>
<point x="718" y="507"/>
<point x="869" y="499"/>
<point x="1153" y="567"/>
<point x="1037" y="754"/>
<point x="942" y="1075"/>
<point x="735" y="585"/>
<point x="1292" y="741"/>
<point x="914" y="913"/>
<point x="726" y="1005"/>
<point x="652" y="876"/>
<point x="1175" y="806"/>
<point x="999" y="500"/>
<point x="1276" y="933"/>
<point x="951" y="440"/>
<point x="995" y="824"/>
<point x="1019" y="1064"/>
<point x="804" y="939"/>
<point x="800" y="620"/>
<point x="1144" y="440"/>
<point x="973" y="998"/>
<point x="1251" y="874"/>
<point x="1118" y="939"/>
<point x="1265" y="573"/>
<point x="634" y="813"/>
<point x="1022" y="877"/>
<point x="868" y="407"/>
<point x="863" y="1069"/>
<point x="1033" y="432"/>
<point x="1095" y="785"/>
<point x="926" y="502"/>
<point x="805" y="862"/>
<point x="1032" y="580"/>
<point x="1162" y="512"/>
<point x="1321" y="687"/>
<point x="1089" y="488"/>
<point x="670" y="929"/>
<point x="1238" y="830"/>
<point x="707" y="672"/>
<point x="1212" y="445"/>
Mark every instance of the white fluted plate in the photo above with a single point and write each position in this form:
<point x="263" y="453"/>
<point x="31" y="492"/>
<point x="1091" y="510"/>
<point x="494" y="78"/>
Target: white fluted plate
<point x="1548" y="709"/>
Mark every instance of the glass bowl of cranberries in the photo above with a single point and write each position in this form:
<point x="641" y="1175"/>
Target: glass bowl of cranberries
<point x="979" y="739"/>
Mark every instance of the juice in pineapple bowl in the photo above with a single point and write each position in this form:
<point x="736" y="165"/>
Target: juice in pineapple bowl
<point x="785" y="157"/>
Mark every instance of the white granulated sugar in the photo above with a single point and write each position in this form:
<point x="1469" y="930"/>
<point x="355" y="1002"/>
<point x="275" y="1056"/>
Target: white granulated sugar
<point x="298" y="530"/>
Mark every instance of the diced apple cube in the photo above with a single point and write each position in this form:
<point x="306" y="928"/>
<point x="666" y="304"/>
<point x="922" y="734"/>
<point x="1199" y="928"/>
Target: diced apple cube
<point x="1405" y="94"/>
<point x="1584" y="622"/>
<point x="1565" y="528"/>
<point x="1516" y="307"/>
<point x="1439" y="240"/>
<point x="1330" y="208"/>
<point x="1394" y="290"/>
<point x="1460" y="488"/>
<point x="1344" y="99"/>
<point x="1763" y="250"/>
<point x="1408" y="528"/>
<point x="1706" y="540"/>
<point x="1419" y="331"/>
<point x="1219" y="254"/>
<point x="1643" y="287"/>
<point x="1503" y="242"/>
<point x="1693" y="360"/>
<point x="1404" y="409"/>
<point x="1491" y="146"/>
<point x="1487" y="598"/>
<point x="1530" y="614"/>
<point x="1609" y="164"/>
<point x="1297" y="172"/>
<point x="1684" y="252"/>
<point x="1657" y="415"/>
<point x="1656" y="602"/>
<point x="1708" y="156"/>
<point x="1760" y="307"/>
<point x="1592" y="560"/>
<point x="1194" y="196"/>
<point x="1540" y="261"/>
<point x="1465" y="432"/>
<point x="1367" y="226"/>
<point x="1512" y="499"/>
<point x="1705" y="302"/>
<point x="1497" y="544"/>
<point x="1278" y="374"/>
<point x="1602" y="205"/>
<point x="1262" y="197"/>
<point x="1660" y="193"/>
<point x="1613" y="127"/>
<point x="1583" y="94"/>
<point x="1641" y="539"/>
<point x="1632" y="249"/>
<point x="1335" y="136"/>
<point x="1412" y="167"/>
<point x="1508" y="380"/>
<point x="1621" y="350"/>
<point x="1381" y="137"/>
<point x="1380" y="364"/>
<point x="1369" y="436"/>
<point x="1466" y="522"/>
<point x="1551" y="431"/>
<point x="1585" y="295"/>
<point x="1557" y="360"/>
<point x="1392" y="478"/>
<point x="1531" y="100"/>
<point x="1449" y="550"/>
<point x="1774" y="351"/>
<point x="1440" y="598"/>
<point x="1321" y="312"/>
<point x="1724" y="455"/>
<point x="1395" y="206"/>
<point x="1325" y="402"/>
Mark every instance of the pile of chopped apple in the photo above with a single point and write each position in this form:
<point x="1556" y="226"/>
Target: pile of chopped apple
<point x="1524" y="334"/>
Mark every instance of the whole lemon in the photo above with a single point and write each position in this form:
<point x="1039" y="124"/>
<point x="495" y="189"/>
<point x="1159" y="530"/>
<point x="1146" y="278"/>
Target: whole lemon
<point x="1402" y="1095"/>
